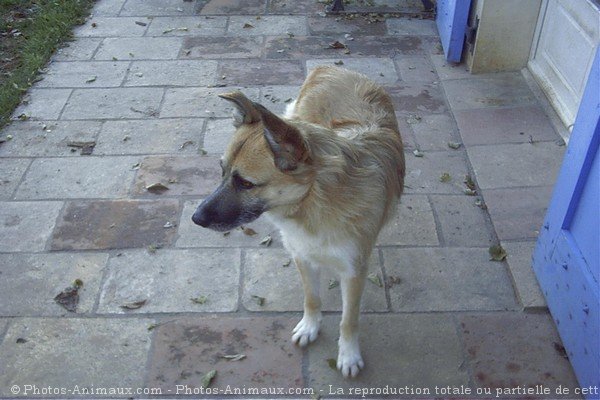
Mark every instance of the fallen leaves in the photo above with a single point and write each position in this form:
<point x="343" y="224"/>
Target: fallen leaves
<point x="258" y="300"/>
<point x="199" y="299"/>
<point x="234" y="357"/>
<point x="332" y="363"/>
<point x="266" y="241"/>
<point x="69" y="298"/>
<point x="157" y="188"/>
<point x="134" y="305"/>
<point x="207" y="378"/>
<point x="86" y="147"/>
<point x="497" y="253"/>
<point x="418" y="153"/>
<point x="248" y="231"/>
<point x="333" y="284"/>
<point x="375" y="279"/>
<point x="445" y="177"/>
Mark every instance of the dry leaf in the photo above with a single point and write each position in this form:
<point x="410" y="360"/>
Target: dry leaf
<point x="199" y="299"/>
<point x="247" y="25"/>
<point x="332" y="363"/>
<point x="339" y="62"/>
<point x="375" y="279"/>
<point x="207" y="378"/>
<point x="469" y="182"/>
<point x="168" y="224"/>
<point x="91" y="79"/>
<point x="69" y="298"/>
<point x="418" y="153"/>
<point x="134" y="306"/>
<point x="287" y="263"/>
<point x="445" y="177"/>
<point x="266" y="241"/>
<point x="337" y="45"/>
<point x="333" y="284"/>
<point x="248" y="231"/>
<point x="140" y="23"/>
<point x="413" y="119"/>
<point x="234" y="357"/>
<point x="454" y="145"/>
<point x="470" y="192"/>
<point x="157" y="188"/>
<point x="259" y="300"/>
<point x="497" y="253"/>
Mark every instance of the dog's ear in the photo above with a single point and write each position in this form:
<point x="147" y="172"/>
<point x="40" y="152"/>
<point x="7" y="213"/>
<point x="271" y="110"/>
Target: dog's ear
<point x="245" y="110"/>
<point x="286" y="142"/>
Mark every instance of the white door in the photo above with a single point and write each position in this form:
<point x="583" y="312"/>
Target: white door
<point x="562" y="53"/>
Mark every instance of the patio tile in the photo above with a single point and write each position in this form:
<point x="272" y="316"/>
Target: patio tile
<point x="43" y="104"/>
<point x="405" y="26"/>
<point x="217" y="135"/>
<point x="47" y="138"/>
<point x="434" y="131"/>
<point x="118" y="224"/>
<point x="201" y="102"/>
<point x="520" y="264"/>
<point x="262" y="73"/>
<point x="221" y="47"/>
<point x="416" y="69"/>
<point x="172" y="73"/>
<point x="184" y="176"/>
<point x="169" y="279"/>
<point x="504" y="125"/>
<point x="497" y="90"/>
<point x="85" y="74"/>
<point x="157" y="7"/>
<point x="379" y="70"/>
<point x="192" y="235"/>
<point x="46" y="275"/>
<point x="139" y="48"/>
<point x="234" y="7"/>
<point x="447" y="279"/>
<point x="27" y="225"/>
<point x="413" y="225"/>
<point x="157" y="136"/>
<point x="100" y="26"/>
<point x="516" y="165"/>
<point x="281" y="286"/>
<point x="99" y="353"/>
<point x="462" y="223"/>
<point x="515" y="349"/>
<point x="356" y="26"/>
<point x="108" y="7"/>
<point x="56" y="178"/>
<point x="187" y="348"/>
<point x="113" y="103"/>
<point x="295" y="7"/>
<point x="449" y="70"/>
<point x="417" y="98"/>
<point x="518" y="213"/>
<point x="77" y="50"/>
<point x="11" y="172"/>
<point x="276" y="98"/>
<point x="173" y="26"/>
<point x="393" y="351"/>
<point x="423" y="173"/>
<point x="272" y="25"/>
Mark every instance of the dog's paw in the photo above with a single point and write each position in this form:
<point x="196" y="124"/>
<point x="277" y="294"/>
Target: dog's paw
<point x="349" y="360"/>
<point x="306" y="331"/>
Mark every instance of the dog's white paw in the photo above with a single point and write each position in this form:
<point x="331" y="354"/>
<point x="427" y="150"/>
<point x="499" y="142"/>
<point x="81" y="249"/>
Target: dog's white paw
<point x="307" y="330"/>
<point x="349" y="360"/>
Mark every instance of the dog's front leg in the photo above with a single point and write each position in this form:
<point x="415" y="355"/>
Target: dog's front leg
<point x="308" y="328"/>
<point x="349" y="360"/>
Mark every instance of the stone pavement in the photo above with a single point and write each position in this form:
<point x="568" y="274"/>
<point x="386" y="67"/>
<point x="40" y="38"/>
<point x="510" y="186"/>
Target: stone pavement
<point x="140" y="81"/>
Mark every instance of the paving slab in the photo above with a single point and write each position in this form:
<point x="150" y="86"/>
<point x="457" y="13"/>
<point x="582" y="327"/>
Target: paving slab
<point x="416" y="69"/>
<point x="31" y="281"/>
<point x="448" y="70"/>
<point x="518" y="213"/>
<point x="221" y="47"/>
<point x="192" y="235"/>
<point x="515" y="349"/>
<point x="47" y="138"/>
<point x="447" y="279"/>
<point x="42" y="104"/>
<point x="188" y="176"/>
<point x="277" y="98"/>
<point x="158" y="136"/>
<point x="338" y="24"/>
<point x="119" y="224"/>
<point x="113" y="103"/>
<point x="234" y="7"/>
<point x="172" y="73"/>
<point x="100" y="26"/>
<point x="271" y="25"/>
<point x="218" y="134"/>
<point x="77" y="50"/>
<point x="52" y="345"/>
<point x="516" y="165"/>
<point x="504" y="125"/>
<point x="405" y="26"/>
<point x="25" y="226"/>
<point x="57" y="178"/>
<point x="295" y="7"/>
<point x="413" y="225"/>
<point x="494" y="90"/>
<point x="423" y="173"/>
<point x="521" y="268"/>
<point x="419" y="98"/>
<point x="201" y="102"/>
<point x="11" y="172"/>
<point x="139" y="48"/>
<point x="255" y="73"/>
<point x="462" y="223"/>
<point x="379" y="70"/>
<point x="433" y="131"/>
<point x="168" y="279"/>
<point x="85" y="74"/>
<point x="158" y="8"/>
<point x="393" y="349"/>
<point x="108" y="7"/>
<point x="187" y="348"/>
<point x="281" y="286"/>
<point x="187" y="26"/>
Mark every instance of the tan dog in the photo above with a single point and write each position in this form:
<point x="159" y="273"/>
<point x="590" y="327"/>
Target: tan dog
<point x="328" y="174"/>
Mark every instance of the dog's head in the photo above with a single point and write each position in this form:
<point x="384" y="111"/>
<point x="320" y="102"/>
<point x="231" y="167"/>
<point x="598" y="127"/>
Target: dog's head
<point x="265" y="166"/>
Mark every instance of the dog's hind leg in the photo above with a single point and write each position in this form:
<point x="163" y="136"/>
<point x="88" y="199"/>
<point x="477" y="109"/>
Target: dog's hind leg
<point x="349" y="360"/>
<point x="308" y="328"/>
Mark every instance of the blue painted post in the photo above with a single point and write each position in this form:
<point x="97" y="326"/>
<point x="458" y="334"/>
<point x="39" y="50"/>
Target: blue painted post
<point x="451" y="21"/>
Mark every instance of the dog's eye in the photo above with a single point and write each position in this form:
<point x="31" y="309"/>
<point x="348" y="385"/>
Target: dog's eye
<point x="242" y="183"/>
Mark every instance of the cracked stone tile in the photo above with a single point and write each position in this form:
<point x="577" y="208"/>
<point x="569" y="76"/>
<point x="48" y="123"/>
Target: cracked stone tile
<point x="172" y="73"/>
<point x="357" y="26"/>
<point x="423" y="173"/>
<point x="85" y="74"/>
<point x="27" y="225"/>
<point x="11" y="172"/>
<point x="433" y="131"/>
<point x="100" y="26"/>
<point x="526" y="284"/>
<point x="221" y="47"/>
<point x="295" y="7"/>
<point x="194" y="26"/>
<point x="417" y="98"/>
<point x="43" y="104"/>
<point x="416" y="69"/>
<point x="405" y="26"/>
<point x="157" y="8"/>
<point x="234" y="7"/>
<point x="413" y="225"/>
<point x="139" y="48"/>
<point x="77" y="50"/>
<point x="269" y="25"/>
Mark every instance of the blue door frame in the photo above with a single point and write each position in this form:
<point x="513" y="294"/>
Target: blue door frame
<point x="451" y="20"/>
<point x="566" y="259"/>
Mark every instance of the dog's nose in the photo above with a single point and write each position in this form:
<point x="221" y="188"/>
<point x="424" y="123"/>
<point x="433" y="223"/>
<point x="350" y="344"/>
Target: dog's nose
<point x="200" y="217"/>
